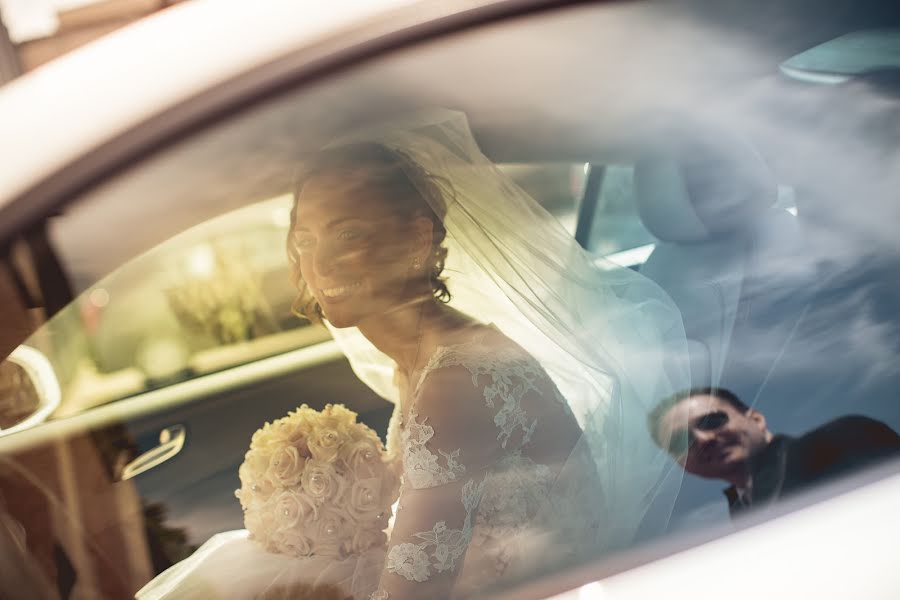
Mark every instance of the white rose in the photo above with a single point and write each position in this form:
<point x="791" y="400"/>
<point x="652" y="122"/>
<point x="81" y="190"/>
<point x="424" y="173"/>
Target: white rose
<point x="324" y="444"/>
<point x="363" y="458"/>
<point x="291" y="508"/>
<point x="366" y="500"/>
<point x="260" y="521"/>
<point x="256" y="463"/>
<point x="291" y="541"/>
<point x="331" y="534"/>
<point x="286" y="466"/>
<point x="295" y="428"/>
<point x="288" y="431"/>
<point x="255" y="487"/>
<point x="265" y="438"/>
<point x="257" y="460"/>
<point x="338" y="414"/>
<point x="320" y="481"/>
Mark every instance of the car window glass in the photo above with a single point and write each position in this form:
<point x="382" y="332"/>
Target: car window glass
<point x="213" y="297"/>
<point x="210" y="298"/>
<point x="762" y="209"/>
<point x="558" y="187"/>
<point x="617" y="232"/>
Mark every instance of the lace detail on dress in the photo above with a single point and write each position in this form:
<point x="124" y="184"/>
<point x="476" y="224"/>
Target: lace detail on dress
<point x="421" y="467"/>
<point x="512" y="374"/>
<point x="440" y="548"/>
<point x="512" y="517"/>
<point x="517" y="486"/>
<point x="516" y="491"/>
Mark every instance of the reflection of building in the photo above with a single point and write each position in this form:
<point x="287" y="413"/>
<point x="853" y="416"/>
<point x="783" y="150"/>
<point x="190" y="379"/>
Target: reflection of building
<point x="87" y="536"/>
<point x="223" y="298"/>
<point x="40" y="30"/>
<point x="10" y="67"/>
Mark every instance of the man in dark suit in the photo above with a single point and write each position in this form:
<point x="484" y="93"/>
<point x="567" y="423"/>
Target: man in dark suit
<point x="713" y="434"/>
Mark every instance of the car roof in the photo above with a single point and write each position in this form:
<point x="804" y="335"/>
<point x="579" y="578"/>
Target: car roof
<point x="56" y="113"/>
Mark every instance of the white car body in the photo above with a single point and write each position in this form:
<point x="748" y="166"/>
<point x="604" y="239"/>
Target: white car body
<point x="838" y="549"/>
<point x="117" y="82"/>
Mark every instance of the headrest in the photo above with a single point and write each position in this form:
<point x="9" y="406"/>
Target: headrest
<point x="703" y="191"/>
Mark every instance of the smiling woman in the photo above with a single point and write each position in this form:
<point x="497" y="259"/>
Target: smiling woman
<point x="361" y="229"/>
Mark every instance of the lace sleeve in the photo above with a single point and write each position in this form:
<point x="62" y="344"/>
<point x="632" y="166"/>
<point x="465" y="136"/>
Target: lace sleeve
<point x="448" y="441"/>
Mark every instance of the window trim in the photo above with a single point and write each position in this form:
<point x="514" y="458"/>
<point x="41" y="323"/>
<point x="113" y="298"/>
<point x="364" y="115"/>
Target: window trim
<point x="169" y="397"/>
<point x="587" y="209"/>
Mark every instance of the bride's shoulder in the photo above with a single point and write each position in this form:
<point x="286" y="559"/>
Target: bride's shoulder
<point x="473" y="389"/>
<point x="455" y="363"/>
<point x="479" y="350"/>
<point x="449" y="410"/>
<point x="471" y="364"/>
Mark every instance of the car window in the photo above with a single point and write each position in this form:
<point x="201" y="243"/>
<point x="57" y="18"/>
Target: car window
<point x="617" y="232"/>
<point x="754" y="216"/>
<point x="558" y="187"/>
<point x="210" y="298"/>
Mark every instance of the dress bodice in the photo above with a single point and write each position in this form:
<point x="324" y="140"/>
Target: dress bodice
<point x="494" y="473"/>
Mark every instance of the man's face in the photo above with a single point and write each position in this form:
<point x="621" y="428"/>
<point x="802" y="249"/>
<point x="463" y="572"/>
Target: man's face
<point x="710" y="438"/>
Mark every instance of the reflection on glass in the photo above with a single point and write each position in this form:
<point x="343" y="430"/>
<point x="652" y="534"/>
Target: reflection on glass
<point x="210" y="298"/>
<point x="214" y="296"/>
<point x="617" y="228"/>
<point x="726" y="439"/>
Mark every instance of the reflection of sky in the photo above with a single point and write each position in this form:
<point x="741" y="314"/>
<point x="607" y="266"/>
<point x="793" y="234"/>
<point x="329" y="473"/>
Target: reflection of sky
<point x="705" y="515"/>
<point x="823" y="335"/>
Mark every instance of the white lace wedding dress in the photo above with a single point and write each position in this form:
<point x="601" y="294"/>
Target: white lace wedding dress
<point x="495" y="483"/>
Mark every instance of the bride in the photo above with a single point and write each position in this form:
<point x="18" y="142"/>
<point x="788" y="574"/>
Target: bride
<point x="522" y="382"/>
<point x="522" y="371"/>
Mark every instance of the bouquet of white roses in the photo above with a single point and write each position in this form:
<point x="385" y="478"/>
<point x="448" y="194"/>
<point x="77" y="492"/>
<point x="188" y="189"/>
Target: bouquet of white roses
<point x="317" y="483"/>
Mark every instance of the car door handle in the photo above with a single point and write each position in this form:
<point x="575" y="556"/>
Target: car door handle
<point x="171" y="441"/>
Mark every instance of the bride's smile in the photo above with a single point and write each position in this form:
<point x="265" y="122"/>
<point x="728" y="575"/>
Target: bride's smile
<point x="336" y="294"/>
<point x="360" y="244"/>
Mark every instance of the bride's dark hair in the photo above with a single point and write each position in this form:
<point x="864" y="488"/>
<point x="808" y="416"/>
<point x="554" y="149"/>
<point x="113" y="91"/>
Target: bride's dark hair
<point x="407" y="185"/>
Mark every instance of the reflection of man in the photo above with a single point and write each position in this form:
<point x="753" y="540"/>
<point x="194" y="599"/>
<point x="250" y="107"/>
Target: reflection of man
<point x="711" y="433"/>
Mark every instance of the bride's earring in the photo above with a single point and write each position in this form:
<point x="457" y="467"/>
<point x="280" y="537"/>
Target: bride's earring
<point x="416" y="264"/>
